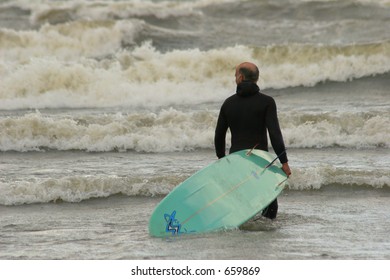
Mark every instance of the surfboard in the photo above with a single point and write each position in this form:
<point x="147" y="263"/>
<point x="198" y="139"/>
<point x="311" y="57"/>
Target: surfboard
<point x="223" y="195"/>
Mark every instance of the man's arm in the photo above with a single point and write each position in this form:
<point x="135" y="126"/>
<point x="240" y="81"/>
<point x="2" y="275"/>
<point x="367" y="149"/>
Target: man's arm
<point x="275" y="135"/>
<point x="220" y="135"/>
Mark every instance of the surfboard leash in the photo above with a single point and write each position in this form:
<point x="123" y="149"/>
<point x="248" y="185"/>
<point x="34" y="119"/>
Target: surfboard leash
<point x="272" y="162"/>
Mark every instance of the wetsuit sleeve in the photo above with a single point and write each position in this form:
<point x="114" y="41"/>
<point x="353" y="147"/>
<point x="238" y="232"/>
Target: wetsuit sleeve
<point x="220" y="135"/>
<point x="274" y="131"/>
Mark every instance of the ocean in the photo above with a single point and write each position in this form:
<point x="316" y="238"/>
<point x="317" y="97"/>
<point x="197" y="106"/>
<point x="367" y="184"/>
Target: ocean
<point x="106" y="106"/>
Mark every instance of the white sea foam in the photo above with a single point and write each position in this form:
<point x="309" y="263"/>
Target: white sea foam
<point x="147" y="77"/>
<point x="169" y="130"/>
<point x="174" y="130"/>
<point x="79" y="188"/>
<point x="69" y="41"/>
<point x="59" y="11"/>
<point x="322" y="175"/>
<point x="344" y="130"/>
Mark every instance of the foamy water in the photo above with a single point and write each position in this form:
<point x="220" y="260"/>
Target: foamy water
<point x="146" y="77"/>
<point x="176" y="130"/>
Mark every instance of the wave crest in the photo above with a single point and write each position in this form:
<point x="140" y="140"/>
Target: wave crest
<point x="173" y="130"/>
<point x="146" y="77"/>
<point x="79" y="188"/>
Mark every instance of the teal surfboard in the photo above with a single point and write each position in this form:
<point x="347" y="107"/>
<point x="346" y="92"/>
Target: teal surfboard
<point x="223" y="195"/>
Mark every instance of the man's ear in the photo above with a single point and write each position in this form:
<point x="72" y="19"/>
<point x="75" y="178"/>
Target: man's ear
<point x="240" y="78"/>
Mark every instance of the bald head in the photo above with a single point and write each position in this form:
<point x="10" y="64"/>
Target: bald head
<point x="247" y="71"/>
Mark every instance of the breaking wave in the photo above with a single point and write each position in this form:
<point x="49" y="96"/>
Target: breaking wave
<point x="174" y="130"/>
<point x="146" y="77"/>
<point x="79" y="188"/>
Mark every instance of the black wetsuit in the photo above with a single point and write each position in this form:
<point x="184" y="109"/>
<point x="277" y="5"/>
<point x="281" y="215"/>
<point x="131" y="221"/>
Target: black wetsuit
<point x="249" y="114"/>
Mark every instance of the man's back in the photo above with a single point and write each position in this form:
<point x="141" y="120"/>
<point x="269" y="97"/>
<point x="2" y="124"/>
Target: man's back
<point x="248" y="114"/>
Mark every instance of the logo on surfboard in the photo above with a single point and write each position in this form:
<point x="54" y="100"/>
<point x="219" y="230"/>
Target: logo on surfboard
<point x="173" y="225"/>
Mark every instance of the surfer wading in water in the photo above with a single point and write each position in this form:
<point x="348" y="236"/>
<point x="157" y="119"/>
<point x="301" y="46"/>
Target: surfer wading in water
<point x="249" y="114"/>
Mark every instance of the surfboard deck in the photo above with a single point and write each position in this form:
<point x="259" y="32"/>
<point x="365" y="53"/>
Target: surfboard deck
<point x="223" y="195"/>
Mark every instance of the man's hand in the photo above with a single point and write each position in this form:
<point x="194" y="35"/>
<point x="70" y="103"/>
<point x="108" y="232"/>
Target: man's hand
<point x="286" y="169"/>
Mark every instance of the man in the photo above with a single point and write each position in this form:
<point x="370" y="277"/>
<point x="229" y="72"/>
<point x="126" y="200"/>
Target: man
<point x="249" y="114"/>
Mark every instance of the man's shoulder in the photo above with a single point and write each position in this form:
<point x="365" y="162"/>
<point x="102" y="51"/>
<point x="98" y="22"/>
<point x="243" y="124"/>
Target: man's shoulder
<point x="261" y="97"/>
<point x="233" y="96"/>
<point x="230" y="99"/>
<point x="266" y="98"/>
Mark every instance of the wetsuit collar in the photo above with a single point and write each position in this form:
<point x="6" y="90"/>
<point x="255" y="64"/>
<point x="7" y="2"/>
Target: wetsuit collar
<point x="247" y="88"/>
